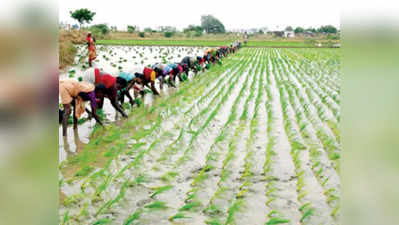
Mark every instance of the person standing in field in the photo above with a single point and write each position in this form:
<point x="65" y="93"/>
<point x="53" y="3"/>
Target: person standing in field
<point x="91" y="46"/>
<point x="245" y="38"/>
<point x="75" y="94"/>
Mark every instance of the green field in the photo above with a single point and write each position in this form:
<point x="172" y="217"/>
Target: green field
<point x="206" y="43"/>
<point x="234" y="145"/>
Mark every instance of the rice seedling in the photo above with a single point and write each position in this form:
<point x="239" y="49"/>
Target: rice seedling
<point x="276" y="220"/>
<point x="190" y="206"/>
<point x="178" y="216"/>
<point x="135" y="216"/>
<point x="103" y="221"/>
<point x="157" y="205"/>
<point x="159" y="190"/>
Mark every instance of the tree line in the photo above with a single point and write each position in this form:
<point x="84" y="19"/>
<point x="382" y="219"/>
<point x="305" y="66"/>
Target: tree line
<point x="209" y="24"/>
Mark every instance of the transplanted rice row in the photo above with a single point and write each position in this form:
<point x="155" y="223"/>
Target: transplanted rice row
<point x="193" y="201"/>
<point x="105" y="184"/>
<point x="307" y="187"/>
<point x="180" y="161"/>
<point x="218" y="210"/>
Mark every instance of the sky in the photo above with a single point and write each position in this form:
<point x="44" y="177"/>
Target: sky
<point x="233" y="14"/>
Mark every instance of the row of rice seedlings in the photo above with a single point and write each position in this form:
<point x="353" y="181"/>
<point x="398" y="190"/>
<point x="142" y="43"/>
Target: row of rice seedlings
<point x="331" y="193"/>
<point x="299" y="116"/>
<point x="247" y="174"/>
<point x="194" y="88"/>
<point x="213" y="113"/>
<point x="334" y="95"/>
<point x="141" y="154"/>
<point x="219" y="83"/>
<point x="103" y="186"/>
<point x="103" y="173"/>
<point x="295" y="153"/>
<point x="328" y="142"/>
<point x="325" y="139"/>
<point x="214" y="210"/>
<point x="331" y="82"/>
<point x="320" y="111"/>
<point x="274" y="216"/>
<point x="167" y="148"/>
<point x="171" y="149"/>
<point x="96" y="187"/>
<point x="327" y="96"/>
<point x="332" y="125"/>
<point x="315" y="87"/>
<point x="156" y="191"/>
<point x="169" y="177"/>
<point x="327" y="60"/>
<point x="211" y="157"/>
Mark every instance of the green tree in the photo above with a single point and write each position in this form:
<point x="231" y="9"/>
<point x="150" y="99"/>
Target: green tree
<point x="212" y="25"/>
<point x="311" y="29"/>
<point x="82" y="16"/>
<point x="130" y="28"/>
<point x="196" y="29"/>
<point x="299" y="30"/>
<point x="148" y="29"/>
<point x="103" y="28"/>
<point x="328" y="29"/>
<point x="169" y="34"/>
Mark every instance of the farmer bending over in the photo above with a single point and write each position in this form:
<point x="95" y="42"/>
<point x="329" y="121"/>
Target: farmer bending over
<point x="94" y="76"/>
<point x="75" y="94"/>
<point x="127" y="81"/>
<point x="148" y="77"/>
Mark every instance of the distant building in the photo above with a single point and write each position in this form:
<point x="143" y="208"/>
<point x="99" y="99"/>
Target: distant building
<point x="278" y="33"/>
<point x="308" y="34"/>
<point x="289" y="34"/>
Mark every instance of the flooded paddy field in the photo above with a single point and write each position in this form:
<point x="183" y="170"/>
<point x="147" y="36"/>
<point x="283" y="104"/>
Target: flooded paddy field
<point x="252" y="141"/>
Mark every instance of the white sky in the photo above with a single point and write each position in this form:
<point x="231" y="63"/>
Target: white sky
<point x="233" y="14"/>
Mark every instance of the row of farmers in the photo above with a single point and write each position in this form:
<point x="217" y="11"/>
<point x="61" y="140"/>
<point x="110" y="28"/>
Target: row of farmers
<point x="96" y="84"/>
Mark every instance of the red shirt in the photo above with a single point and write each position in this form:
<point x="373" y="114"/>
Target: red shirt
<point x="147" y="73"/>
<point x="106" y="79"/>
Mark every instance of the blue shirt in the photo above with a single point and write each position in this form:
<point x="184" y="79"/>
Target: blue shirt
<point x="127" y="76"/>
